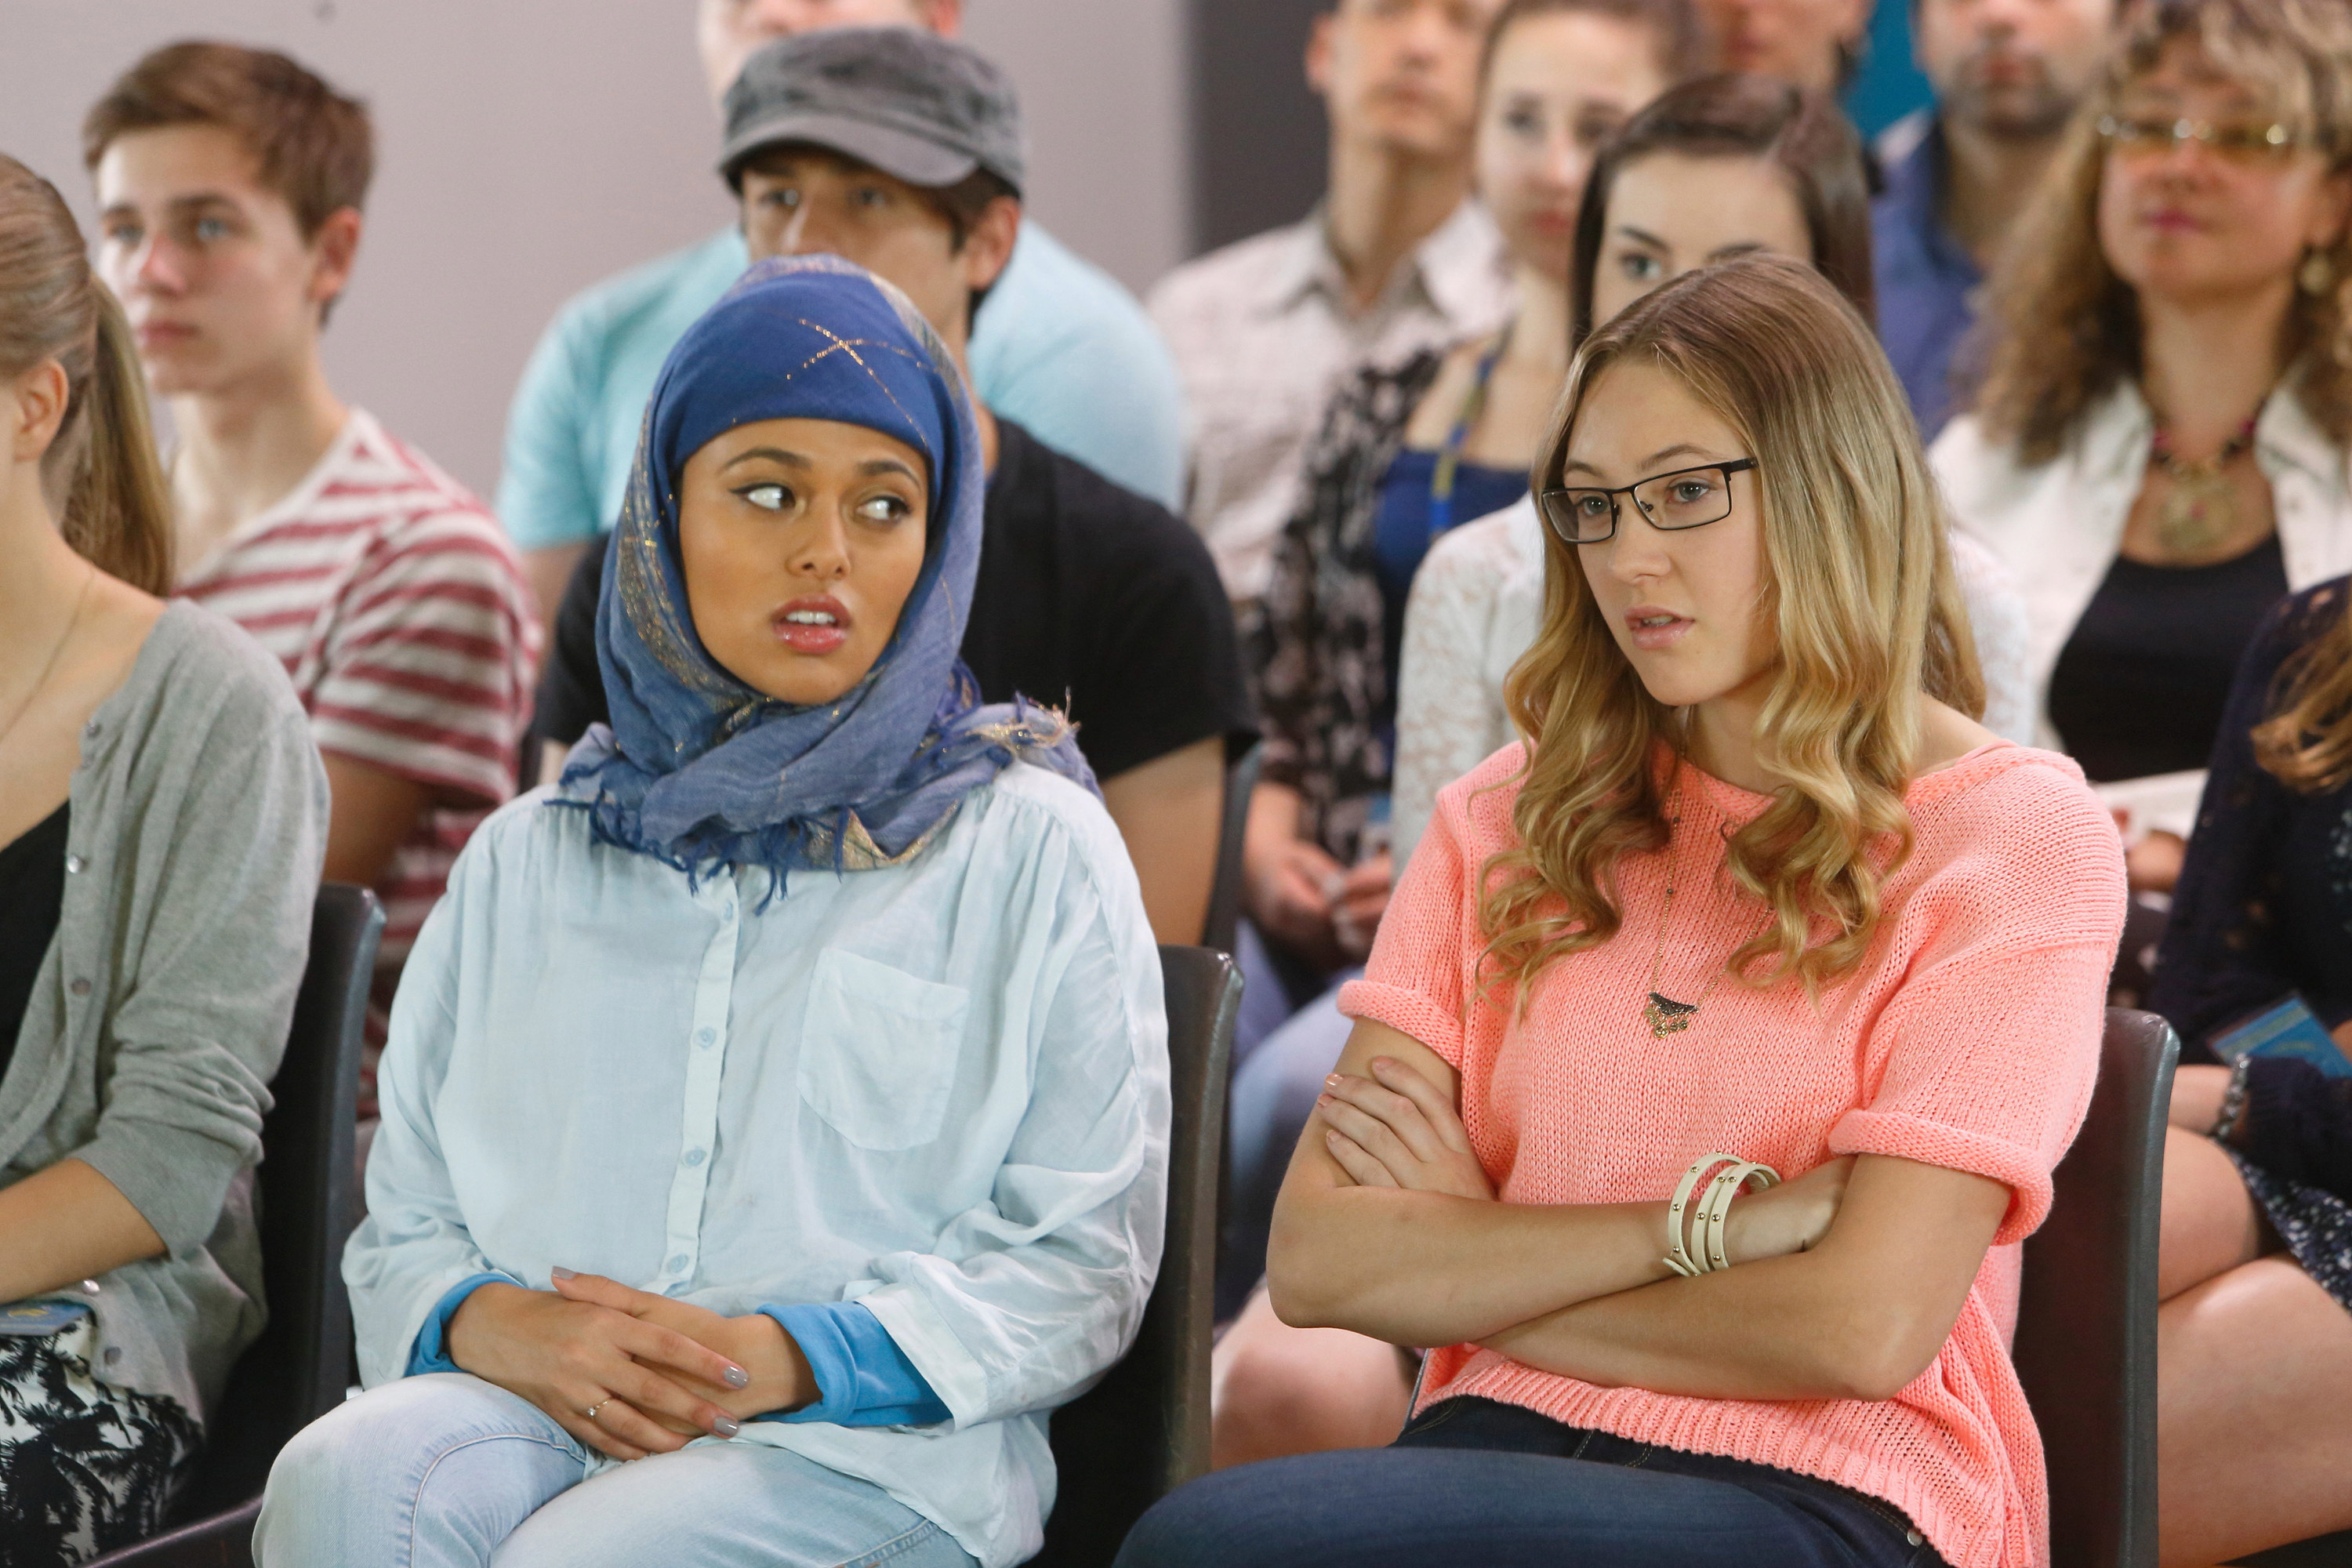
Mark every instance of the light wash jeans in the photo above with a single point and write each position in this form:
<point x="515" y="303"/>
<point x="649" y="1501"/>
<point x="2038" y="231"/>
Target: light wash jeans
<point x="449" y="1471"/>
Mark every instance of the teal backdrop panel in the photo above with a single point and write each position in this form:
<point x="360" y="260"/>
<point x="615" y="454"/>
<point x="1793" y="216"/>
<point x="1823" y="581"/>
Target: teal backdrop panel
<point x="1888" y="86"/>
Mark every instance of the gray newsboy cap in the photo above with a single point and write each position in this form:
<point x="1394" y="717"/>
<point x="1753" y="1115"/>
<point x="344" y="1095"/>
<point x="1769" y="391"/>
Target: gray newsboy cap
<point x="909" y="102"/>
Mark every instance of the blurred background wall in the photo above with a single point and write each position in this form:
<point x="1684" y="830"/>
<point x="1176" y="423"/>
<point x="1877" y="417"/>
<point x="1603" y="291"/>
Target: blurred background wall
<point x="528" y="148"/>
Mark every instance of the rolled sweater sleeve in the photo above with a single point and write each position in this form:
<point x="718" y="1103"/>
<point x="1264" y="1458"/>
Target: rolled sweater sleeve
<point x="199" y="1027"/>
<point x="2007" y="986"/>
<point x="1417" y="981"/>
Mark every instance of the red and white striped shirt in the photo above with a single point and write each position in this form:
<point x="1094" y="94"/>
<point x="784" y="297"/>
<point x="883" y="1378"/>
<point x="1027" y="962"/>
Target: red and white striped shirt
<point x="397" y="605"/>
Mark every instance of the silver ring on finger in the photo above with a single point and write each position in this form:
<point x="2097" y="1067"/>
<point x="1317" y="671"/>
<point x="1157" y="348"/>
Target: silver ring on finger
<point x="591" y="1412"/>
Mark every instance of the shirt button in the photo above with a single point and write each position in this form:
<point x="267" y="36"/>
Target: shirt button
<point x="113" y="1355"/>
<point x="704" y="1037"/>
<point x="693" y="1158"/>
<point x="1913" y="1537"/>
<point x="79" y="988"/>
<point x="678" y="1264"/>
<point x="75" y="865"/>
<point x="91" y="729"/>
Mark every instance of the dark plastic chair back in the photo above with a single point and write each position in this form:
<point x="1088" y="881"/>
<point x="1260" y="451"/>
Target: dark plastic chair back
<point x="2086" y="1317"/>
<point x="1143" y="1431"/>
<point x="298" y="1369"/>
<point x="2319" y="1552"/>
<point x="1223" y="925"/>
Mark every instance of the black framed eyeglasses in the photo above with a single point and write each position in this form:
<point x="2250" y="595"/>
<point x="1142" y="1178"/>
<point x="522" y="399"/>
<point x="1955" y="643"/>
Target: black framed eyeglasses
<point x="1687" y="498"/>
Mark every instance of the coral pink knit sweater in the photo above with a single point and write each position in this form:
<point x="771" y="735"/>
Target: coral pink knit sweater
<point x="1968" y="1038"/>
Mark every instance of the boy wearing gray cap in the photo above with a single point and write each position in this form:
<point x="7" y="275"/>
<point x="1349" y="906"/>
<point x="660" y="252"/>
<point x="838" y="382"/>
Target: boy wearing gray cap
<point x="902" y="152"/>
<point x="1062" y="347"/>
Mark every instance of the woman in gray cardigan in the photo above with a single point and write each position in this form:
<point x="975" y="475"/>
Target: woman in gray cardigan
<point x="162" y="815"/>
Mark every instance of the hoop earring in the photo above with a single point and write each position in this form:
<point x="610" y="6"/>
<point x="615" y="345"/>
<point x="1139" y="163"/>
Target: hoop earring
<point x="2317" y="273"/>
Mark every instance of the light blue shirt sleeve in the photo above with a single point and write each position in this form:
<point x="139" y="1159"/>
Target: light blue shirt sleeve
<point x="1064" y="351"/>
<point x="547" y="490"/>
<point x="863" y="1378"/>
<point x="571" y="433"/>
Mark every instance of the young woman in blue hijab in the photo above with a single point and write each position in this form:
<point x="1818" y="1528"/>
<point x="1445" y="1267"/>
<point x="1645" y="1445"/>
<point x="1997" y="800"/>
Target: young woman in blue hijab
<point x="775" y="1111"/>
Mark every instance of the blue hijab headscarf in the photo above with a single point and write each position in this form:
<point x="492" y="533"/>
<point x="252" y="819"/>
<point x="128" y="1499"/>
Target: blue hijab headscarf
<point x="700" y="770"/>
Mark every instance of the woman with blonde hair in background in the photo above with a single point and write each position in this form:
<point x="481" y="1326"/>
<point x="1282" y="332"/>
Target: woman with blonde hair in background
<point x="1758" y="899"/>
<point x="163" y="817"/>
<point x="2159" y="449"/>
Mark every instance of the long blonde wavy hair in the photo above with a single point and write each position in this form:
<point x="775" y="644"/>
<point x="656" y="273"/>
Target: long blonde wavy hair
<point x="2065" y="329"/>
<point x="1859" y="590"/>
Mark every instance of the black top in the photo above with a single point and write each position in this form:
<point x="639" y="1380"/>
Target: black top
<point x="32" y="895"/>
<point x="2140" y="685"/>
<point x="1090" y="598"/>
<point x="2265" y="908"/>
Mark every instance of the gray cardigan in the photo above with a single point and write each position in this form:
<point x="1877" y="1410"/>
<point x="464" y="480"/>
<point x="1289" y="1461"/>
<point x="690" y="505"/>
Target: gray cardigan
<point x="158" y="1018"/>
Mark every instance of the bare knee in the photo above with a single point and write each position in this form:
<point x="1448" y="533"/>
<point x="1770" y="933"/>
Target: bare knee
<point x="1301" y="1391"/>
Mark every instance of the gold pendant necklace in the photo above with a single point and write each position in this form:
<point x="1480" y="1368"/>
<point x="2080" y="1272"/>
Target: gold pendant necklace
<point x="2200" y="509"/>
<point x="1660" y="1012"/>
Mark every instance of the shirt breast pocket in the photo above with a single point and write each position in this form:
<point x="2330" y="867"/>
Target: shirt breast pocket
<point x="879" y="1050"/>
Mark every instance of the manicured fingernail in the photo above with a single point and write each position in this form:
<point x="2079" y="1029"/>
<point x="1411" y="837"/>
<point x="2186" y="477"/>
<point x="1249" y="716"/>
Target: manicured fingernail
<point x="1331" y="1082"/>
<point x="1382" y="1062"/>
<point x="564" y="1273"/>
<point x="737" y="1378"/>
<point x="727" y="1427"/>
<point x="1322" y="1099"/>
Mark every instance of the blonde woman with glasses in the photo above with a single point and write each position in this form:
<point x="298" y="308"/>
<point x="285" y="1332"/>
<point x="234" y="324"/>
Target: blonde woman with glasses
<point x="2158" y="448"/>
<point x="1722" y="1037"/>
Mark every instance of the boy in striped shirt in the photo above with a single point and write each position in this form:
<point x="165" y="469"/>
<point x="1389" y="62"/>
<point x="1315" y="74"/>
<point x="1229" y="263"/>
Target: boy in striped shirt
<point x="230" y="182"/>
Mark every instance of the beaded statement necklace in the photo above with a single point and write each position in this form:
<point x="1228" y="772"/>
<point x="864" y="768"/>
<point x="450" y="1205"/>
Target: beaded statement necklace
<point x="2202" y="509"/>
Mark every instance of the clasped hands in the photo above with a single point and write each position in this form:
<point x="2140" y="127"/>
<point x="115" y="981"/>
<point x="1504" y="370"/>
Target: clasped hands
<point x="1397" y="1129"/>
<point x="658" y="1372"/>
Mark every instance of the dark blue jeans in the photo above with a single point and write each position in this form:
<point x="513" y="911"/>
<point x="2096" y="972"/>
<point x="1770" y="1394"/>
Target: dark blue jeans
<point x="1472" y="1482"/>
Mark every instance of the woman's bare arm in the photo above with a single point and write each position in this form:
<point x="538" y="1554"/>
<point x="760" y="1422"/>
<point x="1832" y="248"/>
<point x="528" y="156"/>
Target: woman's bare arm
<point x="1857" y="1317"/>
<point x="64" y="1225"/>
<point x="1441" y="1266"/>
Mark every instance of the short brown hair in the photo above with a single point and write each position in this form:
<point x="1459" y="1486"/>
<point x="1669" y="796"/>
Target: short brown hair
<point x="1676" y="39"/>
<point x="1736" y="116"/>
<point x="315" y="146"/>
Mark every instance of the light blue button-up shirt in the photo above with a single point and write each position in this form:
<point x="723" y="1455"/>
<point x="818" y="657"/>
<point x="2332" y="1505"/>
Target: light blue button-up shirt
<point x="940" y="1091"/>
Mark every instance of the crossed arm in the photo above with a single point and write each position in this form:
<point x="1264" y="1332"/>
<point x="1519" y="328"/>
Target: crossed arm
<point x="1849" y="1280"/>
